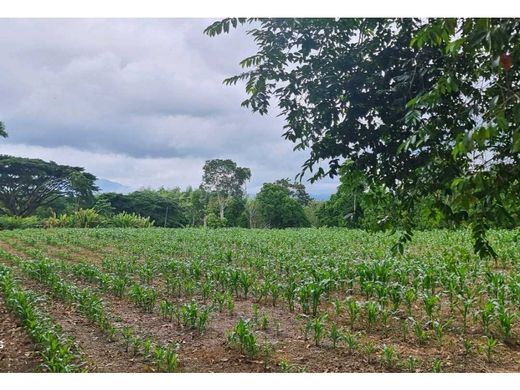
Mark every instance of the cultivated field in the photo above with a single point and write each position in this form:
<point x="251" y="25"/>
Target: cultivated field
<point x="236" y="300"/>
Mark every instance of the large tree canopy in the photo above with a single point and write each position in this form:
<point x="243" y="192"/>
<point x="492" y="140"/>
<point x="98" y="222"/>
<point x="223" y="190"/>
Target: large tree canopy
<point x="26" y="184"/>
<point x="278" y="209"/>
<point x="161" y="206"/>
<point x="225" y="180"/>
<point x="419" y="106"/>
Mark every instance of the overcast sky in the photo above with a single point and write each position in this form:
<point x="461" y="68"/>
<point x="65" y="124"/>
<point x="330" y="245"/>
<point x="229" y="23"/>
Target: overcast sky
<point x="139" y="102"/>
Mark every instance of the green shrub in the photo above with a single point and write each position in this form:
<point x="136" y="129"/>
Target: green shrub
<point x="8" y="222"/>
<point x="83" y="218"/>
<point x="125" y="219"/>
<point x="215" y="222"/>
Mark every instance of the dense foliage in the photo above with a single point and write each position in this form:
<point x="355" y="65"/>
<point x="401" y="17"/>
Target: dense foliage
<point x="421" y="107"/>
<point x="278" y="209"/>
<point x="225" y="180"/>
<point x="26" y="184"/>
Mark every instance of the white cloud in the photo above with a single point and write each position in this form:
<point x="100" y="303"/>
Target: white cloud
<point x="137" y="101"/>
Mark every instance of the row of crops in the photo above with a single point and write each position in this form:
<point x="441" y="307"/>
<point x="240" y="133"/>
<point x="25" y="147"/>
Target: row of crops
<point x="321" y="294"/>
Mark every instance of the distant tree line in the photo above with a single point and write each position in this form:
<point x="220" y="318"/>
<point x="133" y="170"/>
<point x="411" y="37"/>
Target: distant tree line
<point x="38" y="193"/>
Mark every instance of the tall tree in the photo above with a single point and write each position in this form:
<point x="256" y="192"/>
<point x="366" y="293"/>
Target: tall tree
<point x="296" y="190"/>
<point x="419" y="106"/>
<point x="224" y="179"/>
<point x="278" y="209"/>
<point x="26" y="184"/>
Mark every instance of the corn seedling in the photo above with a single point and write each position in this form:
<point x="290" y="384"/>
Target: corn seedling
<point x="430" y="305"/>
<point x="437" y="365"/>
<point x="170" y="358"/>
<point x="267" y="351"/>
<point x="159" y="354"/>
<point x="147" y="346"/>
<point x="490" y="345"/>
<point x="255" y="313"/>
<point x="411" y="364"/>
<point x="420" y="333"/>
<point x="317" y="326"/>
<point x="351" y="341"/>
<point x="486" y="315"/>
<point x="243" y="336"/>
<point x="389" y="357"/>
<point x="335" y="335"/>
<point x="353" y="310"/>
<point x="505" y="321"/>
<point x="128" y="335"/>
<point x="144" y="297"/>
<point x="371" y="311"/>
<point x="468" y="346"/>
<point x="264" y="322"/>
<point x="136" y="345"/>
<point x="409" y="298"/>
<point x="370" y="350"/>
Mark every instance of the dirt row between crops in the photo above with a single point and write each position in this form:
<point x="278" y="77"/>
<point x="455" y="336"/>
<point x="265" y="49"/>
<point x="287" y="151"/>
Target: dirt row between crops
<point x="210" y="353"/>
<point x="99" y="353"/>
<point x="17" y="352"/>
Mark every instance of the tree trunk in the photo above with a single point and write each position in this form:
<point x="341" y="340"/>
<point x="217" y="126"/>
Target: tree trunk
<point x="221" y="204"/>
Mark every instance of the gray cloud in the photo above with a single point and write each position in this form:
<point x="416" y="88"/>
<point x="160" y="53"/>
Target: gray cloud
<point x="136" y="101"/>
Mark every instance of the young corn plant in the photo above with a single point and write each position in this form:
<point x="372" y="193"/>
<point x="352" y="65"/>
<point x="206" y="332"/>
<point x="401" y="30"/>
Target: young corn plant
<point x="246" y="280"/>
<point x="438" y="328"/>
<point x="147" y="347"/>
<point x="334" y="335"/>
<point x="411" y="364"/>
<point x="167" y="310"/>
<point x="128" y="335"/>
<point x="136" y="345"/>
<point x="275" y="290"/>
<point x="289" y="292"/>
<point x="486" y="314"/>
<point x="372" y="311"/>
<point x="437" y="365"/>
<point x="202" y="323"/>
<point x="190" y="314"/>
<point x="170" y="359"/>
<point x="431" y="303"/>
<point x="243" y="336"/>
<point x="468" y="346"/>
<point x="353" y="310"/>
<point x="505" y="321"/>
<point x="264" y="322"/>
<point x="256" y="312"/>
<point x="465" y="309"/>
<point x="267" y="352"/>
<point x="159" y="354"/>
<point x="490" y="346"/>
<point x="144" y="297"/>
<point x="420" y="333"/>
<point x="318" y="325"/>
<point x="389" y="356"/>
<point x="409" y="297"/>
<point x="370" y="351"/>
<point x="351" y="341"/>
